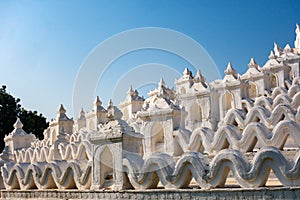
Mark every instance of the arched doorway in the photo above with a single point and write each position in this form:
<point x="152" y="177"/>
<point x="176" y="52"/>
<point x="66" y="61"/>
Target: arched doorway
<point x="182" y="90"/>
<point x="273" y="81"/>
<point x="195" y="115"/>
<point x="106" y="168"/>
<point x="157" y="137"/>
<point x="252" y="90"/>
<point x="227" y="102"/>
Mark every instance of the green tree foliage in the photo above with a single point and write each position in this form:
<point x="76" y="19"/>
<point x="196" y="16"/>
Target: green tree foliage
<point x="10" y="109"/>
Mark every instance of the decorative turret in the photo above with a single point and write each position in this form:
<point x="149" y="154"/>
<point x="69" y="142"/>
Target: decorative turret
<point x="252" y="64"/>
<point x="61" y="113"/>
<point x="255" y="79"/>
<point x="272" y="62"/>
<point x="289" y="54"/>
<point x="98" y="105"/>
<point x="96" y="116"/>
<point x="275" y="68"/>
<point x="162" y="91"/>
<point x="252" y="71"/>
<point x="18" y="138"/>
<point x="81" y="114"/>
<point x="97" y="102"/>
<point x="199" y="78"/>
<point x="197" y="104"/>
<point x="132" y="104"/>
<point x="184" y="83"/>
<point x="118" y="138"/>
<point x="230" y="72"/>
<point x="81" y="121"/>
<point x="160" y="108"/>
<point x="229" y="92"/>
<point x="62" y="122"/>
<point x="113" y="113"/>
<point x="199" y="82"/>
<point x="133" y="95"/>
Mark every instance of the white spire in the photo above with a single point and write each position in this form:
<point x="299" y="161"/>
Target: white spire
<point x="110" y="103"/>
<point x="97" y="102"/>
<point x="18" y="129"/>
<point x="61" y="109"/>
<point x="229" y="70"/>
<point x="130" y="90"/>
<point x="272" y="56"/>
<point x="277" y="49"/>
<point x="82" y="113"/>
<point x="287" y="48"/>
<point x="252" y="63"/>
<point x="297" y="41"/>
<point x="161" y="83"/>
<point x="199" y="78"/>
<point x="18" y="124"/>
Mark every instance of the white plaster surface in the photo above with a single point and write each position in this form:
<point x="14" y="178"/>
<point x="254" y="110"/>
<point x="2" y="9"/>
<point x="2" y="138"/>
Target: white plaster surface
<point x="242" y="131"/>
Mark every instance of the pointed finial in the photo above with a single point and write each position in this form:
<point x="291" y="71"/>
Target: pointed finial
<point x="272" y="56"/>
<point x="199" y="78"/>
<point x="130" y="90"/>
<point x="252" y="63"/>
<point x="61" y="109"/>
<point x="82" y="113"/>
<point x="110" y="104"/>
<point x="161" y="82"/>
<point x="113" y="113"/>
<point x="297" y="41"/>
<point x="287" y="48"/>
<point x="18" y="124"/>
<point x="187" y="72"/>
<point x="277" y="49"/>
<point x="97" y="101"/>
<point x="229" y="70"/>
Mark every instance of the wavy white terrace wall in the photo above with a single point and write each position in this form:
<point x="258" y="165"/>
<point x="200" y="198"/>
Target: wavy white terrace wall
<point x="242" y="130"/>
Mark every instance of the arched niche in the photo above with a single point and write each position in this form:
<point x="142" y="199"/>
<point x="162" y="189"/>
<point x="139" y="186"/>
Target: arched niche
<point x="274" y="82"/>
<point x="157" y="137"/>
<point x="252" y="90"/>
<point x="227" y="102"/>
<point x="196" y="115"/>
<point x="182" y="90"/>
<point x="106" y="168"/>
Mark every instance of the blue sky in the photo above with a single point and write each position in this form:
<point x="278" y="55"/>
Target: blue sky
<point x="44" y="43"/>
